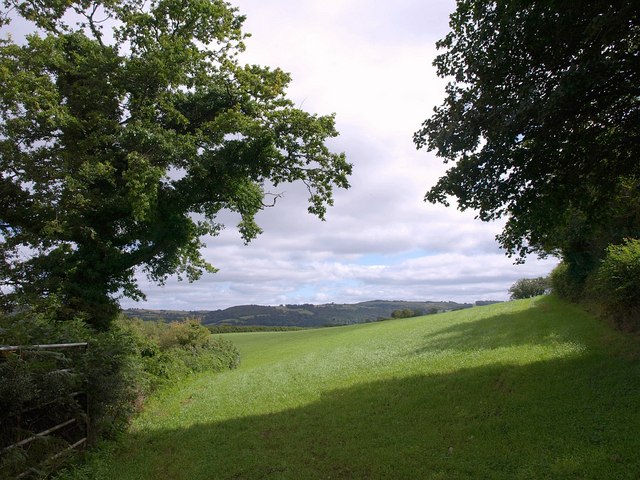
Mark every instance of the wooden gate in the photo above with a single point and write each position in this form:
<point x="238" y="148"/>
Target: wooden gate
<point x="40" y="431"/>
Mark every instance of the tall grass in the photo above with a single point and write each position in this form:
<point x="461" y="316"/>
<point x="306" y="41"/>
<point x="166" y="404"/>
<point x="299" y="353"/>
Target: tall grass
<point x="521" y="390"/>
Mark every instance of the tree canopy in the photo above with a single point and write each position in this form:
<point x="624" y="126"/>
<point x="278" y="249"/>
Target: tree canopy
<point x="541" y="122"/>
<point x="126" y="127"/>
<point x="529" y="287"/>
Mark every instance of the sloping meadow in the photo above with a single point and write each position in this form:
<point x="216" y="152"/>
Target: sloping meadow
<point x="525" y="389"/>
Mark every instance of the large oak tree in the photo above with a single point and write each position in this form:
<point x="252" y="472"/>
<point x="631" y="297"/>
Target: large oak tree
<point x="541" y="122"/>
<point x="126" y="126"/>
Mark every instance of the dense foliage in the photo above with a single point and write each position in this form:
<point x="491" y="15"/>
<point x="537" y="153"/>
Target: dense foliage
<point x="541" y="123"/>
<point x="219" y="329"/>
<point x="616" y="284"/>
<point x="169" y="351"/>
<point x="123" y="135"/>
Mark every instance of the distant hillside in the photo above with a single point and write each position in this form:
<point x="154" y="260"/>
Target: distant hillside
<point x="305" y="315"/>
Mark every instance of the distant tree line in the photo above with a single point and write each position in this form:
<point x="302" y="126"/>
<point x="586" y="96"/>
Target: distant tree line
<point x="220" y="329"/>
<point x="529" y="287"/>
<point x="408" y="313"/>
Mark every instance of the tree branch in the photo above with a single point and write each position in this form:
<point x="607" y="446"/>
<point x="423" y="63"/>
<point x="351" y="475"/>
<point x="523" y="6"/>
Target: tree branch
<point x="275" y="196"/>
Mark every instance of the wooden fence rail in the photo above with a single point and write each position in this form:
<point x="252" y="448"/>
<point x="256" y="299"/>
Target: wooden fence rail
<point x="30" y="424"/>
<point x="51" y="346"/>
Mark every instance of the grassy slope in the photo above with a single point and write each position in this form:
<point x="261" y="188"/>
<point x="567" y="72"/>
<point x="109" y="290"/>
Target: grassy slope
<point x="528" y="389"/>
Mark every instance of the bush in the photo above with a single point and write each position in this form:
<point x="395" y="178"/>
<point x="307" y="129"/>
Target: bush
<point x="529" y="287"/>
<point x="172" y="351"/>
<point x="615" y="286"/>
<point x="565" y="283"/>
<point x="116" y="382"/>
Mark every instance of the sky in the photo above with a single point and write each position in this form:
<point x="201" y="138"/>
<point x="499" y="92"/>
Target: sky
<point x="370" y="63"/>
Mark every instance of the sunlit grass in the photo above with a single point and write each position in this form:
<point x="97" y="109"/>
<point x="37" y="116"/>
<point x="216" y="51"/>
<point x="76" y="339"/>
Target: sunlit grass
<point x="528" y="389"/>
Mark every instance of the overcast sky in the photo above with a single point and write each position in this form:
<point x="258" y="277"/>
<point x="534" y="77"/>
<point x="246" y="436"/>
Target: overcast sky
<point x="370" y="63"/>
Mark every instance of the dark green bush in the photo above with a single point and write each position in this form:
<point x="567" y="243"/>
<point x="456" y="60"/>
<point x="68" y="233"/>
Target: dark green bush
<point x="619" y="273"/>
<point x="109" y="370"/>
<point x="566" y="283"/>
<point x="116" y="382"/>
<point x="615" y="286"/>
<point x="29" y="328"/>
<point x="37" y="389"/>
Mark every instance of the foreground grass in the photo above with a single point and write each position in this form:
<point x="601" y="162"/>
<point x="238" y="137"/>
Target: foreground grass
<point x="528" y="389"/>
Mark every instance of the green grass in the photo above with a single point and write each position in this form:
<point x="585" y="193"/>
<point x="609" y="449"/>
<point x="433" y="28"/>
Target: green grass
<point x="522" y="390"/>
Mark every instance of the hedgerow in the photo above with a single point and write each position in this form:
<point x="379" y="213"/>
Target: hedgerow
<point x="118" y="369"/>
<point x="616" y="284"/>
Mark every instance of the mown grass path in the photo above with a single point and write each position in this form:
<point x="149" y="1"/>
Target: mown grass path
<point x="523" y="390"/>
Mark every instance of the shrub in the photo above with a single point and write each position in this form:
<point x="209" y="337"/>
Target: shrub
<point x="529" y="287"/>
<point x="172" y="351"/>
<point x="116" y="382"/>
<point x="216" y="329"/>
<point x="615" y="286"/>
<point x="565" y="283"/>
<point x="186" y="334"/>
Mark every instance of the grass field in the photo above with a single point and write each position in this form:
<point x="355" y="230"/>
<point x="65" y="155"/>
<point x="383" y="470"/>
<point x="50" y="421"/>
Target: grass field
<point x="522" y="390"/>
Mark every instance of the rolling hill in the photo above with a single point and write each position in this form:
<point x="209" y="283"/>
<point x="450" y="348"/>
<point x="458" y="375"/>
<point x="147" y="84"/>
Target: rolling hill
<point x="305" y="315"/>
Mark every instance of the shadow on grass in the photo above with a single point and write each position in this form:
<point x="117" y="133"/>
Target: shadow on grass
<point x="537" y="325"/>
<point x="571" y="418"/>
